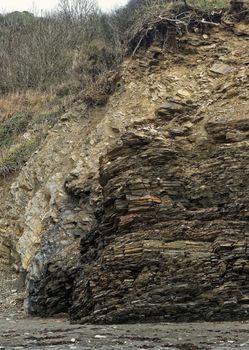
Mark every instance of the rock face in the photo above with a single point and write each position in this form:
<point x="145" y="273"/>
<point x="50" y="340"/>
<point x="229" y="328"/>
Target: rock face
<point x="139" y="211"/>
<point x="172" y="241"/>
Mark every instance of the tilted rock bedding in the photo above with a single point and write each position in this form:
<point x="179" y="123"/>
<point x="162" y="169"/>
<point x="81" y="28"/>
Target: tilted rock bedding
<point x="171" y="242"/>
<point x="139" y="211"/>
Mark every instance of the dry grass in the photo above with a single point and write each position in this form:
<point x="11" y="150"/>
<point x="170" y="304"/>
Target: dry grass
<point x="209" y="4"/>
<point x="17" y="156"/>
<point x="30" y="112"/>
<point x="26" y="101"/>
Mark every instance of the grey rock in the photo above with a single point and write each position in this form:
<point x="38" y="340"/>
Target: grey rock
<point x="221" y="68"/>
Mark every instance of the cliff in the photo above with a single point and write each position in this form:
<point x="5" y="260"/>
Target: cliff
<point x="138" y="210"/>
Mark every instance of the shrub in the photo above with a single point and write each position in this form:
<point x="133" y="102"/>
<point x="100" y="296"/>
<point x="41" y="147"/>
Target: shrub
<point x="13" y="126"/>
<point x="98" y="93"/>
<point x="76" y="42"/>
<point x="17" y="156"/>
<point x="44" y="119"/>
<point x="37" y="52"/>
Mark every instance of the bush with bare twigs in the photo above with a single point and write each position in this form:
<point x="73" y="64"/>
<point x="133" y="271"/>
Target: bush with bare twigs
<point x="77" y="42"/>
<point x="74" y="41"/>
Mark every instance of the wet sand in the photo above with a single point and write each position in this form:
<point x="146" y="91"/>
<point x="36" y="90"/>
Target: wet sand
<point x="21" y="332"/>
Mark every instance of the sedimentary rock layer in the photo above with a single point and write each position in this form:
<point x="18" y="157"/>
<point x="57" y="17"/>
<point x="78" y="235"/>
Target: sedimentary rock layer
<point x="172" y="240"/>
<point x="157" y="228"/>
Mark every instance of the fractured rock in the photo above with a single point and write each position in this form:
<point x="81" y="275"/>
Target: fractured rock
<point x="171" y="242"/>
<point x="172" y="109"/>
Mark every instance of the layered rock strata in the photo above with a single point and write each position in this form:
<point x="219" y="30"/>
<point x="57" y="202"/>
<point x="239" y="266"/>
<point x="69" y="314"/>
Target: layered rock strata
<point x="151" y="223"/>
<point x="172" y="241"/>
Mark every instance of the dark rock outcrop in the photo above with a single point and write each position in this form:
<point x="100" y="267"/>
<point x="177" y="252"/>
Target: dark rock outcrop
<point x="172" y="241"/>
<point x="53" y="270"/>
<point x="51" y="276"/>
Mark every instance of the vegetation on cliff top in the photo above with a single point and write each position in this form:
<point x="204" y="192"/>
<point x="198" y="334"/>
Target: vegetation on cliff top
<point x="74" y="44"/>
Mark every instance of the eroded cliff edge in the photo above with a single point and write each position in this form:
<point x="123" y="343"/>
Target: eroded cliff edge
<point x="130" y="215"/>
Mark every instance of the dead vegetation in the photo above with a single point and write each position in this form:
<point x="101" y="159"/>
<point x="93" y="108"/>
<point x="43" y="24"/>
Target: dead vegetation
<point x="167" y="23"/>
<point x="76" y="44"/>
<point x="170" y="25"/>
<point x="29" y="101"/>
<point x="98" y="93"/>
